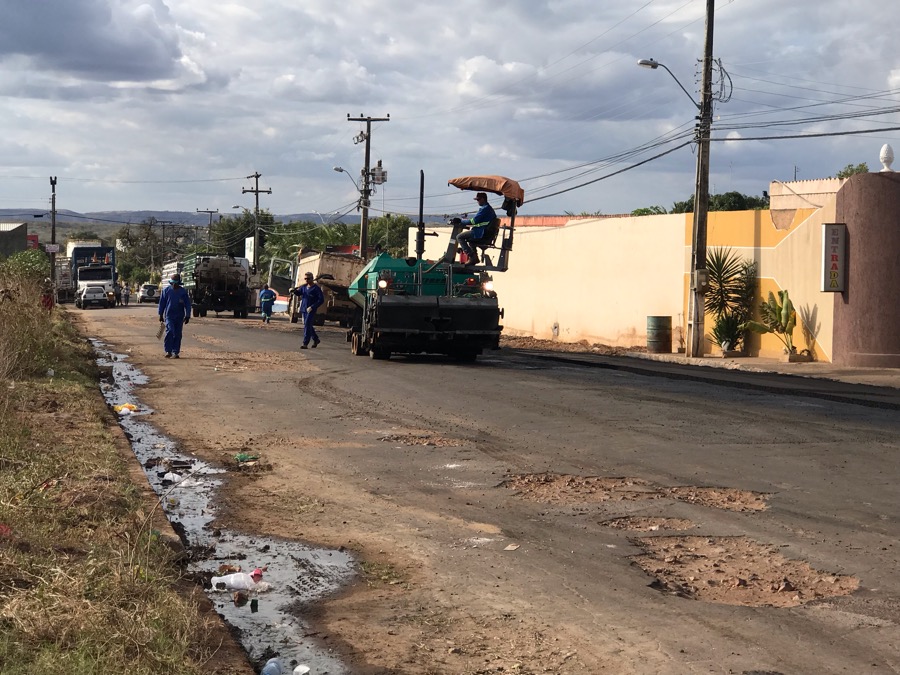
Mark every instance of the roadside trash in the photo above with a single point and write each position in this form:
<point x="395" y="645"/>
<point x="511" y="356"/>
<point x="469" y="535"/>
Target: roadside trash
<point x="301" y="670"/>
<point x="159" y="331"/>
<point x="272" y="667"/>
<point x="50" y="372"/>
<point x="254" y="605"/>
<point x="170" y="477"/>
<point x="229" y="569"/>
<point x="511" y="547"/>
<point x="172" y="501"/>
<point x="240" y="598"/>
<point x="240" y="581"/>
<point x="245" y="457"/>
<point x="125" y="408"/>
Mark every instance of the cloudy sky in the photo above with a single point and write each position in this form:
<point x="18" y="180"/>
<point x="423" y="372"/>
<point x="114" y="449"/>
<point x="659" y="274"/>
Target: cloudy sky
<point x="170" y="104"/>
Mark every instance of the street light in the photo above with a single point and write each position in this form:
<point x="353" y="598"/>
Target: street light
<point x="342" y="170"/>
<point x="653" y="64"/>
<point x="699" y="275"/>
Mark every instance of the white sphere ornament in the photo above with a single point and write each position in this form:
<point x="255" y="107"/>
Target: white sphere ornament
<point x="886" y="156"/>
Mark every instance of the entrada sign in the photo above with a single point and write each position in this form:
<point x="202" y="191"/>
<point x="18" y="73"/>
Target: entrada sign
<point x="834" y="257"/>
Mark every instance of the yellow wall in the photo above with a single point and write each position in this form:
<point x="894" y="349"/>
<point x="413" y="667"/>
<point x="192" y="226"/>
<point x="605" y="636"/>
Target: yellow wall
<point x="598" y="280"/>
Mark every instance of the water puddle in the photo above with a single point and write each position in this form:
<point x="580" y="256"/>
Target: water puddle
<point x="267" y="624"/>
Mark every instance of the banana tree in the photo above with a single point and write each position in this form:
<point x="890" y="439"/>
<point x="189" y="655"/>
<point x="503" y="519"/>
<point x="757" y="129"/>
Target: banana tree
<point x="778" y="317"/>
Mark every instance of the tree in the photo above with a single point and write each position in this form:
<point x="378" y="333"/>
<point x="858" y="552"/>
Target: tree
<point x="851" y="170"/>
<point x="729" y="201"/>
<point x="649" y="211"/>
<point x="390" y="233"/>
<point x="83" y="235"/>
<point x="31" y="263"/>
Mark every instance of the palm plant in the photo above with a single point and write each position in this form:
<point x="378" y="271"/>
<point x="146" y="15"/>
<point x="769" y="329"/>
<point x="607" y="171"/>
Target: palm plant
<point x="732" y="291"/>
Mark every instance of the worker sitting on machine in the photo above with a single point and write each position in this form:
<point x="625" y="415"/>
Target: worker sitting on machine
<point x="479" y="222"/>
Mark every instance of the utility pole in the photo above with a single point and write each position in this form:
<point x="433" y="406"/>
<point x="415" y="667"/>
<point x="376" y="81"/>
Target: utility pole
<point x="699" y="274"/>
<point x="209" y="228"/>
<point x="53" y="233"/>
<point x="255" y="190"/>
<point x="162" y="246"/>
<point x="365" y="191"/>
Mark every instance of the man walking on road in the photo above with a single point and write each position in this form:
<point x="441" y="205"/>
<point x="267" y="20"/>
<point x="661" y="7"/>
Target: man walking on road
<point x="266" y="303"/>
<point x="311" y="298"/>
<point x="175" y="310"/>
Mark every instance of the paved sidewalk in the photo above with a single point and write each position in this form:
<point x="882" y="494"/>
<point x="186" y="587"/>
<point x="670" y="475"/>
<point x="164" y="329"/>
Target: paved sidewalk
<point x="877" y="377"/>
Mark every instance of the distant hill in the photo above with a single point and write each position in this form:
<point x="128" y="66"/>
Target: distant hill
<point x="107" y="223"/>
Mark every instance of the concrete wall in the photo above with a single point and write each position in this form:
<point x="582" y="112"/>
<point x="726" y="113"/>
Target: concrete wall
<point x="598" y="280"/>
<point x="867" y="323"/>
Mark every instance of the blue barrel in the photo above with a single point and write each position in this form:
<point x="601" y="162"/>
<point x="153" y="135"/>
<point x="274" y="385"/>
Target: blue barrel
<point x="659" y="334"/>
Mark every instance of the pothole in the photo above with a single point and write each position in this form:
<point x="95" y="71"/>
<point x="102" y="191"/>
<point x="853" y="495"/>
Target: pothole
<point x="735" y="571"/>
<point x="728" y="499"/>
<point x="551" y="488"/>
<point x="648" y="524"/>
<point x="420" y="439"/>
<point x="555" y="488"/>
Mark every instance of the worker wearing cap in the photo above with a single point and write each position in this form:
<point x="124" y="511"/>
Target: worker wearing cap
<point x="175" y="311"/>
<point x="479" y="223"/>
<point x="311" y="298"/>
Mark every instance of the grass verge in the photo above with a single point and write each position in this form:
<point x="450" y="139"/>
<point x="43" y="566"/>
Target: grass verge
<point x="86" y="585"/>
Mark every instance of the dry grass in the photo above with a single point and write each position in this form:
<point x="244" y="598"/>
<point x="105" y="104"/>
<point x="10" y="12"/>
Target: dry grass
<point x="86" y="586"/>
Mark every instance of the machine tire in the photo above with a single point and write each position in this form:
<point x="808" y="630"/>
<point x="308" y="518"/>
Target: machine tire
<point x="357" y="345"/>
<point x="202" y="313"/>
<point x="379" y="354"/>
<point x="195" y="312"/>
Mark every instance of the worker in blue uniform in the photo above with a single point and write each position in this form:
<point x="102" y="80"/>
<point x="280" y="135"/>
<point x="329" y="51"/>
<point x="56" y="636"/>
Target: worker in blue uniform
<point x="311" y="298"/>
<point x="266" y="302"/>
<point x="175" y="311"/>
<point x="479" y="223"/>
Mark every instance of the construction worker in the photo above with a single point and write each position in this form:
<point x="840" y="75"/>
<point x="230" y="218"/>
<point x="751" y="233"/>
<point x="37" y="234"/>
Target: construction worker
<point x="175" y="311"/>
<point x="266" y="302"/>
<point x="311" y="298"/>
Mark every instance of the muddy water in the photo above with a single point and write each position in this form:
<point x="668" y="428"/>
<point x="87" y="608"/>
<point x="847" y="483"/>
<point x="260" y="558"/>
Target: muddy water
<point x="266" y="623"/>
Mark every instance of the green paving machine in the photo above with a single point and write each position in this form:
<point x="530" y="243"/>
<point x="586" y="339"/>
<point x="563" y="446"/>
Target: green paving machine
<point x="414" y="306"/>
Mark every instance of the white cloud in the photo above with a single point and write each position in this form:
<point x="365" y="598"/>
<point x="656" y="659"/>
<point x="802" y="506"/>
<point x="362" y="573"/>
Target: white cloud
<point x="153" y="90"/>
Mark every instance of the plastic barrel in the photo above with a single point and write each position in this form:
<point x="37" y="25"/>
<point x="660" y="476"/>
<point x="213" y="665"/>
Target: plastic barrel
<point x="659" y="334"/>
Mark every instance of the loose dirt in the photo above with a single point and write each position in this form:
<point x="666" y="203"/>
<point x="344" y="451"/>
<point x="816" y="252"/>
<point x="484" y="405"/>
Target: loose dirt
<point x="735" y="571"/>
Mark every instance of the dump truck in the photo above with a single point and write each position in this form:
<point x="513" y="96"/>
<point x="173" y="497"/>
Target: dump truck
<point x="333" y="272"/>
<point x="92" y="263"/>
<point x="219" y="283"/>
<point x="412" y="306"/>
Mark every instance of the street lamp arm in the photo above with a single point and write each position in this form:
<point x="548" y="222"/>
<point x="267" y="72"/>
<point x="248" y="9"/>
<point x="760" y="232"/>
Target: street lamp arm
<point x="342" y="170"/>
<point x="653" y="65"/>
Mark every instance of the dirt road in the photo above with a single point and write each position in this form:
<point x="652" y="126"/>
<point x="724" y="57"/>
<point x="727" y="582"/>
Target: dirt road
<point x="529" y="517"/>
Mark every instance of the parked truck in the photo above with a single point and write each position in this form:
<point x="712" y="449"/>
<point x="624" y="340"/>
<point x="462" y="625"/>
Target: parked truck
<point x="91" y="263"/>
<point x="219" y="283"/>
<point x="333" y="272"/>
<point x="65" y="282"/>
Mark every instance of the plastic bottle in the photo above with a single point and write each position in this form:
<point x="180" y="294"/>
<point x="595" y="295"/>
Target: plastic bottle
<point x="272" y="667"/>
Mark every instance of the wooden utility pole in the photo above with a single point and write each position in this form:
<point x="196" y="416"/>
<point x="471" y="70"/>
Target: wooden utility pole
<point x="255" y="190"/>
<point x="209" y="228"/>
<point x="53" y="233"/>
<point x="699" y="273"/>
<point x="365" y="190"/>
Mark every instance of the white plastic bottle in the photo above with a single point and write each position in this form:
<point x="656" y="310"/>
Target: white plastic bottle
<point x="272" y="667"/>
